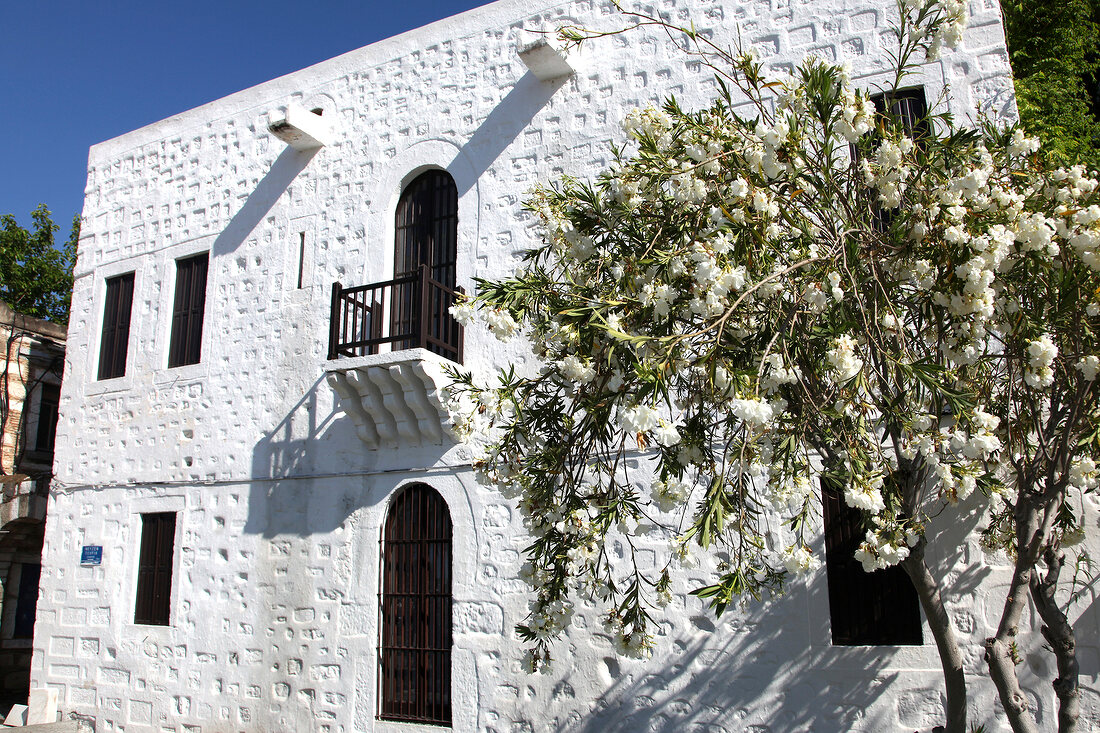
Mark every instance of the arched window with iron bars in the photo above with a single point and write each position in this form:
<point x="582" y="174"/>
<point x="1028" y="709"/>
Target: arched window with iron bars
<point x="415" y="603"/>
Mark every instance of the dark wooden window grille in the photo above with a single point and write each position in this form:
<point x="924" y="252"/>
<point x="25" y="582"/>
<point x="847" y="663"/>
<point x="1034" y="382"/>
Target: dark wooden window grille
<point x="27" y="601"/>
<point x="116" y="326"/>
<point x="907" y="106"/>
<point x="426" y="227"/>
<point x="47" y="417"/>
<point x="866" y="608"/>
<point x="186" y="344"/>
<point x="154" y="582"/>
<point x="415" y="658"/>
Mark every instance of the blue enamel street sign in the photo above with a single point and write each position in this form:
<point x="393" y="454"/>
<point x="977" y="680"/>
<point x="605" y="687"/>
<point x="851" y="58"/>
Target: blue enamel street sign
<point x="91" y="555"/>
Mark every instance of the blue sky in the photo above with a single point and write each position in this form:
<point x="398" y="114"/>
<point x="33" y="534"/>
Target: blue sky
<point x="77" y="72"/>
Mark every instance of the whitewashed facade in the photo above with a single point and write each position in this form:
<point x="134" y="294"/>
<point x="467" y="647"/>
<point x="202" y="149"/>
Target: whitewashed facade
<point x="261" y="450"/>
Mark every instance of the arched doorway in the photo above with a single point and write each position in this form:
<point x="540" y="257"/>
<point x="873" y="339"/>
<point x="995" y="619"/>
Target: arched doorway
<point x="415" y="648"/>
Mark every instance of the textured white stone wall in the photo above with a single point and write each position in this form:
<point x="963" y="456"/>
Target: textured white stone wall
<point x="274" y="608"/>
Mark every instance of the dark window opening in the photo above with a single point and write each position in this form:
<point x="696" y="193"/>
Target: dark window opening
<point x="427" y="234"/>
<point x="187" y="314"/>
<point x="415" y="659"/>
<point x="116" y="326"/>
<point x="26" y="601"/>
<point x="47" y="418"/>
<point x="154" y="582"/>
<point x="908" y="107"/>
<point x="879" y="608"/>
<point x="301" y="257"/>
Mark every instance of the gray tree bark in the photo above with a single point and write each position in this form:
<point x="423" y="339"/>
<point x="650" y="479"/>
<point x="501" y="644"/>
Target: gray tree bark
<point x="947" y="644"/>
<point x="1059" y="635"/>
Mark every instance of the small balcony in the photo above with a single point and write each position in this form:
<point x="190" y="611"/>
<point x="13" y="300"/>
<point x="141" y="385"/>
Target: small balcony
<point x="389" y="345"/>
<point x="409" y="312"/>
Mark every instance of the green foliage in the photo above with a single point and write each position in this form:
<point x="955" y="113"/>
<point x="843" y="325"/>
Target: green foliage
<point x="1055" y="53"/>
<point x="36" y="275"/>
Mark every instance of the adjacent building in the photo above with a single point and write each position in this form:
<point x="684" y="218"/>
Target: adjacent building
<point x="30" y="386"/>
<point x="260" y="521"/>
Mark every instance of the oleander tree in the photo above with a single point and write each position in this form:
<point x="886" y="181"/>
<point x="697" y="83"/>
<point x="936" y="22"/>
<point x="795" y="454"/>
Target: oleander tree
<point x="760" y="297"/>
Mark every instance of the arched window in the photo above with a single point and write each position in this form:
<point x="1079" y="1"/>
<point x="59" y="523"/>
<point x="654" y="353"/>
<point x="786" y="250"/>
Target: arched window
<point x="415" y="648"/>
<point x="426" y="230"/>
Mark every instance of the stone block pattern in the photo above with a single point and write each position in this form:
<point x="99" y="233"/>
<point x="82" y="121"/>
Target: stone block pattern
<point x="274" y="621"/>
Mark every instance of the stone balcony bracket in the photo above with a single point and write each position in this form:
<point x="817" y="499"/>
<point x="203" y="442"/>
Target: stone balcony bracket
<point x="545" y="57"/>
<point x="394" y="398"/>
<point x="299" y="128"/>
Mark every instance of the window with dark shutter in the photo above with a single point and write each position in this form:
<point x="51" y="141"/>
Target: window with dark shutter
<point x="186" y="344"/>
<point x="116" y="326"/>
<point x="415" y="658"/>
<point x="154" y="582"/>
<point x="47" y="417"/>
<point x="879" y="608"/>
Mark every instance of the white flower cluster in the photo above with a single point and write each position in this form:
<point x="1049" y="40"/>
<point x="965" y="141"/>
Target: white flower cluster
<point x="878" y="551"/>
<point x="635" y="643"/>
<point x="464" y="312"/>
<point x="1089" y="366"/>
<point x="638" y="419"/>
<point x="686" y="188"/>
<point x="981" y="443"/>
<point x="753" y="412"/>
<point x="776" y="372"/>
<point x="1083" y="474"/>
<point x="501" y="323"/>
<point x="799" y="560"/>
<point x="472" y="413"/>
<point x="549" y="617"/>
<point x="576" y="370"/>
<point x="646" y="419"/>
<point x="1079" y="225"/>
<point x="789" y="492"/>
<point x="1021" y="144"/>
<point x="888" y="171"/>
<point x="649" y="122"/>
<point x="857" y="116"/>
<point x="1040" y="356"/>
<point x="670" y="494"/>
<point x="865" y="492"/>
<point x="949" y="32"/>
<point x="844" y="363"/>
<point x="713" y="282"/>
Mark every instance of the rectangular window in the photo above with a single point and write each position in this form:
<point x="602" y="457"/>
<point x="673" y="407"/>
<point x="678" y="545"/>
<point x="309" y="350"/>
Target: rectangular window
<point x="866" y="609"/>
<point x="47" y="417"/>
<point x="907" y="106"/>
<point x="154" y="582"/>
<point x="116" y="326"/>
<point x="186" y="344"/>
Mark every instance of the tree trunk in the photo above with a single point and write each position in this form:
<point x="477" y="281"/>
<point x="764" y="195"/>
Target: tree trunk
<point x="947" y="644"/>
<point x="1000" y="650"/>
<point x="1059" y="634"/>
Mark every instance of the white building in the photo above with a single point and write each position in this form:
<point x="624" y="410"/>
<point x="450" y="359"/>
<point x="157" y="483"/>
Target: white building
<point x="237" y="481"/>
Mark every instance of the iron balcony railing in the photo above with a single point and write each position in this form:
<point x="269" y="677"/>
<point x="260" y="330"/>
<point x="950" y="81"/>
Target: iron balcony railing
<point x="408" y="312"/>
